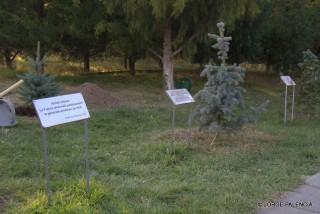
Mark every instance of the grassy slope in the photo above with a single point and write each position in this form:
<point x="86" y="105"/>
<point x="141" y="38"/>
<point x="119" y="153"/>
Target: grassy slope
<point x="131" y="168"/>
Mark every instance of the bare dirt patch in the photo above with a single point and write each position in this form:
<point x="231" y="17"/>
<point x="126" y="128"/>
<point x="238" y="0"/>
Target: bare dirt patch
<point x="28" y="111"/>
<point x="246" y="139"/>
<point x="96" y="97"/>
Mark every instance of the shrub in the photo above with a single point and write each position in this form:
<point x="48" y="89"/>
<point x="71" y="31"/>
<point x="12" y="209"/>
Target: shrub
<point x="309" y="84"/>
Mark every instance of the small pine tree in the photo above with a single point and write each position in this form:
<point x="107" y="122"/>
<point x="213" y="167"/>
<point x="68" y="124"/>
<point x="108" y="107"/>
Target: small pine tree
<point x="36" y="84"/>
<point x="221" y="105"/>
<point x="309" y="87"/>
<point x="37" y="64"/>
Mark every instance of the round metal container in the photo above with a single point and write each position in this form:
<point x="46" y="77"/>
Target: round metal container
<point x="7" y="113"/>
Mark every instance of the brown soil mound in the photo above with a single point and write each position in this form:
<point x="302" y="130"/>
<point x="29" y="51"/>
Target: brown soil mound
<point x="96" y="97"/>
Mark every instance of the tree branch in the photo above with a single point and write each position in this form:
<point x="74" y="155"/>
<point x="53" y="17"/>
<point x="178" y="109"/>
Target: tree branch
<point x="155" y="53"/>
<point x="195" y="35"/>
<point x="14" y="56"/>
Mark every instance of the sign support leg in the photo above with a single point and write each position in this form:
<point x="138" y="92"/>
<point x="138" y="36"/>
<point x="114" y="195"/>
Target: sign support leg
<point x="86" y="155"/>
<point x="174" y="124"/>
<point x="285" y="106"/>
<point x="46" y="164"/>
<point x="190" y="125"/>
<point x="173" y="127"/>
<point x="293" y="97"/>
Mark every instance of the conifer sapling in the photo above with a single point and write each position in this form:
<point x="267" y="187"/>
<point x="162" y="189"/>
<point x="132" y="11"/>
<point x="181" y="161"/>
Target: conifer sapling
<point x="37" y="84"/>
<point x="220" y="104"/>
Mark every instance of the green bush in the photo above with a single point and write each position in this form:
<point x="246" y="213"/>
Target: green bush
<point x="74" y="199"/>
<point x="309" y="84"/>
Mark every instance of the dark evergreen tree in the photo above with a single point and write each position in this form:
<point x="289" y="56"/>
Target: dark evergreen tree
<point x="76" y="23"/>
<point x="127" y="41"/>
<point x="171" y="26"/>
<point x="12" y="30"/>
<point x="265" y="38"/>
<point x="221" y="105"/>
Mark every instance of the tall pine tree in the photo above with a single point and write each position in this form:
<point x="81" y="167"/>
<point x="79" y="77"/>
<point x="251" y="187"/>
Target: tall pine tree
<point x="171" y="25"/>
<point x="76" y="24"/>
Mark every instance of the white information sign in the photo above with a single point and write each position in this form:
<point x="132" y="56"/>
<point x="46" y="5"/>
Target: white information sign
<point x="180" y="96"/>
<point x="61" y="109"/>
<point x="287" y="80"/>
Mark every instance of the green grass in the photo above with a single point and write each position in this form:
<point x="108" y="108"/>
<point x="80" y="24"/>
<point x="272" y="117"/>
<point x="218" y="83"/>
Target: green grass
<point x="8" y="74"/>
<point x="132" y="170"/>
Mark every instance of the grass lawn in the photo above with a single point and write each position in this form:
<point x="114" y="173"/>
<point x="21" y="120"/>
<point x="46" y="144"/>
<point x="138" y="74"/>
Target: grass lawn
<point x="132" y="172"/>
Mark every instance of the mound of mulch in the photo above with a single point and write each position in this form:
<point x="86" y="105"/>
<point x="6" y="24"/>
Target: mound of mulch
<point x="28" y="111"/>
<point x="96" y="97"/>
<point x="247" y="138"/>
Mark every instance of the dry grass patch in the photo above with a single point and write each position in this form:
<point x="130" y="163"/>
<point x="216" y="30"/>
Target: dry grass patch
<point x="248" y="139"/>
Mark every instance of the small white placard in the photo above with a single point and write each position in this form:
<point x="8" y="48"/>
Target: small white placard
<point x="287" y="80"/>
<point x="61" y="109"/>
<point x="180" y="96"/>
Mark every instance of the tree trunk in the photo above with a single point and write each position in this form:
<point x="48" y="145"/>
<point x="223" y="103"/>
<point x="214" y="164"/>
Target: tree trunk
<point x="125" y="63"/>
<point x="86" y="62"/>
<point x="40" y="9"/>
<point x="269" y="67"/>
<point x="7" y="57"/>
<point x="132" y="66"/>
<point x="167" y="63"/>
<point x="160" y="63"/>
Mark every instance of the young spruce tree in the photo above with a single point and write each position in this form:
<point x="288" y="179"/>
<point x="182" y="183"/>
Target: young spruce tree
<point x="37" y="84"/>
<point x="221" y="105"/>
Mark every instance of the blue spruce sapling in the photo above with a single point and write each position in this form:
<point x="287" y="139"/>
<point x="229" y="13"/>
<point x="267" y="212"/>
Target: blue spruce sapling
<point x="220" y="104"/>
<point x="36" y="83"/>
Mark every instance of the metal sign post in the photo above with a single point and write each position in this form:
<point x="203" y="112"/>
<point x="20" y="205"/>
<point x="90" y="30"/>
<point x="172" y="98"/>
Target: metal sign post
<point x="173" y="130"/>
<point x="293" y="97"/>
<point x="173" y="123"/>
<point x="190" y="125"/>
<point x="86" y="155"/>
<point x="288" y="81"/>
<point x="178" y="97"/>
<point x="46" y="163"/>
<point x="60" y="110"/>
<point x="285" y="105"/>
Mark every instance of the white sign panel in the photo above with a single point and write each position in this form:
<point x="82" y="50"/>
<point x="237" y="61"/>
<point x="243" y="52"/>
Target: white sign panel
<point x="61" y="109"/>
<point x="287" y="80"/>
<point x="180" y="96"/>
